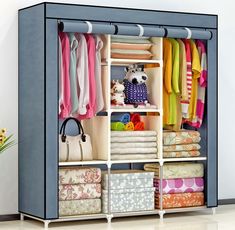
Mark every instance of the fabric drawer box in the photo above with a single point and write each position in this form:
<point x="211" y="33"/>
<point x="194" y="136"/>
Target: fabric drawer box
<point x="79" y="175"/>
<point x="180" y="185"/>
<point x="129" y="200"/>
<point x="79" y="191"/>
<point x="181" y="137"/>
<point x="120" y="179"/>
<point x="79" y="207"/>
<point x="180" y="200"/>
<point x="177" y="170"/>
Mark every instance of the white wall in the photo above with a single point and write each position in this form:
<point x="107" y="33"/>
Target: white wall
<point x="9" y="78"/>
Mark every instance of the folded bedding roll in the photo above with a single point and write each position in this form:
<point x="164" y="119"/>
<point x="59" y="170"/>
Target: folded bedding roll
<point x="146" y="133"/>
<point x="177" y="170"/>
<point x="133" y="139"/>
<point x="139" y="126"/>
<point x="176" y="148"/>
<point x="133" y="150"/>
<point x="133" y="156"/>
<point x="122" y="117"/>
<point x="180" y="200"/>
<point x="79" y="191"/>
<point x="179" y="185"/>
<point x="181" y="137"/>
<point x="117" y="126"/>
<point x="134" y="145"/>
<point x="79" y="207"/>
<point x="129" y="126"/>
<point x="192" y="153"/>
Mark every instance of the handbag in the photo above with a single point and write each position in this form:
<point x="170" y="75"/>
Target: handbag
<point x="74" y="148"/>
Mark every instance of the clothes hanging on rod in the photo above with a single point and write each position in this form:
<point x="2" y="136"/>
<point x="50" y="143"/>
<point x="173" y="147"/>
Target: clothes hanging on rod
<point x="80" y="93"/>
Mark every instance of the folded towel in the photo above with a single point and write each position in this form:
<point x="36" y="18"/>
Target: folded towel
<point x="133" y="139"/>
<point x="133" y="156"/>
<point x="146" y="133"/>
<point x="181" y="137"/>
<point x="134" y="145"/>
<point x="122" y="117"/>
<point x="133" y="150"/>
<point x="129" y="126"/>
<point x="192" y="153"/>
<point x="117" y="126"/>
<point x="176" y="148"/>
<point x="139" y="126"/>
<point x="135" y="118"/>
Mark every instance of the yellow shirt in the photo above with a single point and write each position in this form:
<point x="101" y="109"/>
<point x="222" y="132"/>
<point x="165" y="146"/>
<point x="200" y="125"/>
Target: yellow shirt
<point x="167" y="73"/>
<point x="196" y="71"/>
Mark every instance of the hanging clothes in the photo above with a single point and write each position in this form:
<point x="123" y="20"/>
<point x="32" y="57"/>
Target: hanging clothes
<point x="202" y="83"/>
<point x="99" y="90"/>
<point x="91" y="49"/>
<point x="73" y="73"/>
<point x="167" y="73"/>
<point x="185" y="103"/>
<point x="60" y="74"/>
<point x="174" y="82"/>
<point x="196" y="71"/>
<point x="82" y="74"/>
<point x="65" y="106"/>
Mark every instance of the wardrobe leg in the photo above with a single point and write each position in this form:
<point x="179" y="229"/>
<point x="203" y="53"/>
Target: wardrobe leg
<point x="21" y="217"/>
<point x="161" y="214"/>
<point x="46" y="224"/>
<point x="109" y="218"/>
<point x="213" y="211"/>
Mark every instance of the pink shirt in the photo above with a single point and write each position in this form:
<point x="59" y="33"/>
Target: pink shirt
<point x="91" y="107"/>
<point x="65" y="102"/>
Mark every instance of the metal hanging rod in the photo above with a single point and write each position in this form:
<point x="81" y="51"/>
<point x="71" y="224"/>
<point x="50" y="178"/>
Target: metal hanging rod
<point x="132" y="30"/>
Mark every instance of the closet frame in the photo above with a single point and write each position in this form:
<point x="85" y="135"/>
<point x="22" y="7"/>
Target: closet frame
<point x="38" y="100"/>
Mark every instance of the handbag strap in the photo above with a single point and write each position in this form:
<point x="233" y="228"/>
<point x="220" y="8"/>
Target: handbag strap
<point x="79" y="125"/>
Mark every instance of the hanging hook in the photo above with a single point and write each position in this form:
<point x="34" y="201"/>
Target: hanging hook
<point x="141" y="30"/>
<point x="89" y="27"/>
<point x="189" y="32"/>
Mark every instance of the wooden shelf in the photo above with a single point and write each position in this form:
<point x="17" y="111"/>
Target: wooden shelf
<point x="76" y="163"/>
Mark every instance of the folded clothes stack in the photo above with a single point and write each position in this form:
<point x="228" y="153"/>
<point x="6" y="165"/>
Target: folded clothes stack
<point x="131" y="47"/>
<point x="131" y="145"/>
<point x="79" y="191"/>
<point x="126" y="122"/>
<point x="184" y="143"/>
<point x="131" y="191"/>
<point x="182" y="184"/>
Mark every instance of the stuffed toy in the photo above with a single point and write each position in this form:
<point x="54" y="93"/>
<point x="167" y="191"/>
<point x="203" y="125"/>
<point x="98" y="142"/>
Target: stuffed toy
<point x="135" y="87"/>
<point x="117" y="94"/>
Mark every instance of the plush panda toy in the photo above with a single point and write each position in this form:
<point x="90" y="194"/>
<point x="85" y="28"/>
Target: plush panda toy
<point x="136" y="92"/>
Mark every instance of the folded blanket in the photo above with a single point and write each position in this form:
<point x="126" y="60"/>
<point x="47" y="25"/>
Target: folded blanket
<point x="133" y="156"/>
<point x="146" y="133"/>
<point x="129" y="126"/>
<point x="135" y="118"/>
<point x="192" y="153"/>
<point x="117" y="126"/>
<point x="122" y="117"/>
<point x="76" y="175"/>
<point x="79" y="207"/>
<point x="79" y="191"/>
<point x="176" y="148"/>
<point x="177" y="170"/>
<point x="134" y="145"/>
<point x="130" y="39"/>
<point x="181" y="137"/>
<point x="133" y="150"/>
<point x="133" y="139"/>
<point x="180" y="200"/>
<point x="180" y="185"/>
<point x="139" y="126"/>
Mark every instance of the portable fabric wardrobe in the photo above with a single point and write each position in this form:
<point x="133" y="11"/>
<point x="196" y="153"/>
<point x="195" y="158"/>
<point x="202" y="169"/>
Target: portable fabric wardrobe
<point x="38" y="88"/>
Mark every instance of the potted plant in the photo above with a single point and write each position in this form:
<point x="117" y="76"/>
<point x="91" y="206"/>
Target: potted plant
<point x="6" y="142"/>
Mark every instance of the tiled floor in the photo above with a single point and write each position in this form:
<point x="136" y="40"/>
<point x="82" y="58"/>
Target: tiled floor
<point x="224" y="219"/>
